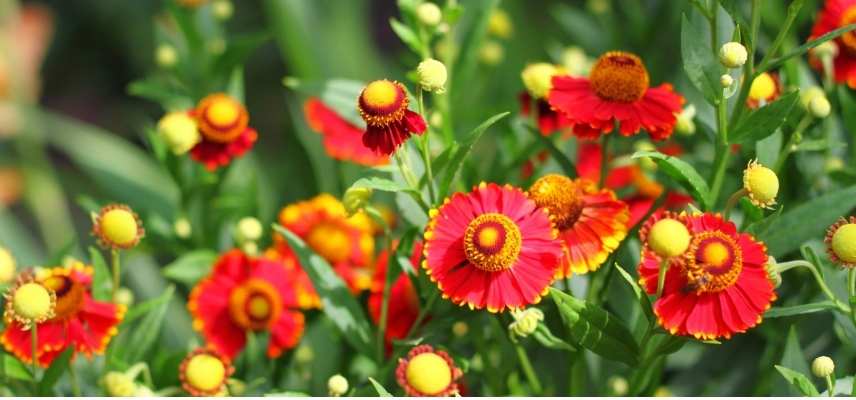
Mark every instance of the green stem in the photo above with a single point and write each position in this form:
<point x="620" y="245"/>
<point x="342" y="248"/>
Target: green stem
<point x="722" y="151"/>
<point x="423" y="313"/>
<point x="661" y="276"/>
<point x="116" y="268"/>
<point x="793" y="140"/>
<point x="426" y="150"/>
<point x="384" y="308"/>
<point x="793" y="11"/>
<point x="749" y="72"/>
<point x="527" y="368"/>
<point x="34" y="336"/>
<point x="410" y="179"/>
<point x="604" y="158"/>
<point x="851" y="293"/>
<point x="732" y="201"/>
<point x="72" y="375"/>
<point x="782" y="267"/>
<point x="829" y="386"/>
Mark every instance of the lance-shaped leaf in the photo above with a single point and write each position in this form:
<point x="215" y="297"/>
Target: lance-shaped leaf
<point x="683" y="173"/>
<point x="764" y="121"/>
<point x="798" y="380"/>
<point x="779" y="312"/>
<point x="456" y="161"/>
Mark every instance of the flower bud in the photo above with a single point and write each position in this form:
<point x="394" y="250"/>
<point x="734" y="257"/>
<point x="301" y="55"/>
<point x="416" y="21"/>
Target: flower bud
<point x="538" y="79"/>
<point x="761" y="184"/>
<point x="819" y="107"/>
<point x="499" y="24"/>
<point x="166" y="56"/>
<point x="355" y="199"/>
<point x="304" y="354"/>
<point x="250" y="248"/>
<point x="773" y="272"/>
<point x="826" y="49"/>
<point x="222" y="9"/>
<point x="7" y="266"/>
<point x="833" y="163"/>
<point x="432" y="75"/>
<point x="726" y="81"/>
<point x="460" y="328"/>
<point x="182" y="228"/>
<point x="249" y="229"/>
<point x="118" y="384"/>
<point x="841" y="242"/>
<point x="525" y="321"/>
<point x="179" y="131"/>
<point x="645" y="163"/>
<point x="822" y="367"/>
<point x="684" y="122"/>
<point x="337" y="385"/>
<point x="124" y="296"/>
<point x="809" y="93"/>
<point x="575" y="61"/>
<point x="669" y="238"/>
<point x="732" y="55"/>
<point x="491" y="52"/>
<point x="617" y="385"/>
<point x="429" y="14"/>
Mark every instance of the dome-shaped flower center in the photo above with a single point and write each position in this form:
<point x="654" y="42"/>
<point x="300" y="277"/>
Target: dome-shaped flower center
<point x="330" y="241"/>
<point x="255" y="304"/>
<point x="492" y="242"/>
<point x="382" y="102"/>
<point x="561" y="196"/>
<point x="221" y="118"/>
<point x="428" y="373"/>
<point x="761" y="183"/>
<point x="32" y="301"/>
<point x="844" y="243"/>
<point x="669" y="237"/>
<point x="119" y="226"/>
<point x="69" y="295"/>
<point x="763" y="87"/>
<point x="205" y="372"/>
<point x="713" y="262"/>
<point x="619" y="76"/>
<point x="849" y="38"/>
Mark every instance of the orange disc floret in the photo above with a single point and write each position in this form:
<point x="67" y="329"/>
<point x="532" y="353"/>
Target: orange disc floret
<point x="204" y="372"/>
<point x="617" y="90"/>
<point x="221" y="118"/>
<point x="116" y="226"/>
<point x="79" y="321"/>
<point x="834" y="15"/>
<point x="492" y="248"/>
<point x="717" y="288"/>
<point x="592" y="222"/>
<point x="383" y="106"/>
<point x="427" y="372"/>
<point x="247" y="294"/>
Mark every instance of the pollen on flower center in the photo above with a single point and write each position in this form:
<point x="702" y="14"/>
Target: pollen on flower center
<point x="619" y="76"/>
<point x="254" y="305"/>
<point x="763" y="87"/>
<point x="428" y="373"/>
<point x="849" y="38"/>
<point x="223" y="112"/>
<point x="492" y="242"/>
<point x="713" y="263"/>
<point x="330" y="242"/>
<point x="560" y="196"/>
<point x="380" y="93"/>
<point x="382" y="102"/>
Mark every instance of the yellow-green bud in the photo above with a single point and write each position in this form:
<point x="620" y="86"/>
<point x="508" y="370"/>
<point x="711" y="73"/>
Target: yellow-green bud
<point x="124" y="296"/>
<point x="732" y="55"/>
<point x="429" y="14"/>
<point x="726" y="81"/>
<point x="809" y="93"/>
<point x="826" y="49"/>
<point x="833" y="163"/>
<point x="684" y="122"/>
<point x="499" y="24"/>
<point x="248" y="230"/>
<point x="575" y="61"/>
<point x="822" y="367"/>
<point x="222" y="9"/>
<point x="538" y="78"/>
<point x="166" y="56"/>
<point x="337" y="385"/>
<point x="179" y="131"/>
<point x="617" y="385"/>
<point x="216" y="46"/>
<point x="491" y="52"/>
<point x="7" y="266"/>
<point x="432" y="75"/>
<point x="819" y="107"/>
<point x="773" y="272"/>
<point x="182" y="228"/>
<point x="525" y="321"/>
<point x="645" y="162"/>
<point x="355" y="199"/>
<point x="119" y="384"/>
<point x="460" y="328"/>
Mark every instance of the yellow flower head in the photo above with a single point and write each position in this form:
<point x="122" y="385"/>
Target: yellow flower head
<point x="117" y="227"/>
<point x="538" y="78"/>
<point x="429" y="14"/>
<point x="841" y="242"/>
<point x="525" y="321"/>
<point x="764" y="88"/>
<point x="204" y="372"/>
<point x="166" y="56"/>
<point x="822" y="367"/>
<point x="337" y="385"/>
<point x="29" y="302"/>
<point x="248" y="230"/>
<point x="761" y="183"/>
<point x="179" y="131"/>
<point x="432" y="75"/>
<point x="669" y="237"/>
<point x="7" y="266"/>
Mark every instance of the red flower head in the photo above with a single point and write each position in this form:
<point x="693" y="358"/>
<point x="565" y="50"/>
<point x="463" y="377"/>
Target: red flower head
<point x="307" y="297"/>
<point x="426" y="372"/>
<point x="242" y="294"/>
<point x="717" y="287"/>
<point x="347" y="243"/>
<point x="836" y="14"/>
<point x="549" y="121"/>
<point x="644" y="190"/>
<point x="79" y="321"/>
<point x="383" y="105"/>
<point x="591" y="221"/>
<point x="765" y="89"/>
<point x="491" y="248"/>
<point x="342" y="140"/>
<point x="223" y="124"/>
<point x="617" y="89"/>
<point x="403" y="299"/>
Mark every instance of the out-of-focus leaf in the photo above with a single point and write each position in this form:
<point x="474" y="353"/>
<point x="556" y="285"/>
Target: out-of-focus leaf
<point x="596" y="329"/>
<point x="66" y="250"/>
<point x="237" y="51"/>
<point x="164" y="91"/>
<point x="407" y="36"/>
<point x="381" y="391"/>
<point x="700" y="65"/>
<point x="778" y="312"/>
<point x="145" y="336"/>
<point x="141" y="309"/>
<point x="806" y="47"/>
<point x="798" y="380"/>
<point x="544" y="336"/>
<point x="767" y="149"/>
<point x="382" y="184"/>
<point x="190" y="267"/>
<point x="102" y="282"/>
<point x="339" y="94"/>
<point x="473" y="28"/>
<point x="581" y="27"/>
<point x="15" y="369"/>
<point x="337" y="301"/>
<point x="683" y="173"/>
<point x="789" y="231"/>
<point x="764" y="121"/>
<point x="567" y="165"/>
<point x="466" y="146"/>
<point x="641" y="296"/>
<point x="761" y="227"/>
<point x="54" y="372"/>
<point x="793" y="359"/>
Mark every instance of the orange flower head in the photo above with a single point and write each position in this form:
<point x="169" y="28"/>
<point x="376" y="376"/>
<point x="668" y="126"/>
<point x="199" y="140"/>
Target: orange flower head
<point x="619" y="76"/>
<point x="559" y="195"/>
<point x="221" y="118"/>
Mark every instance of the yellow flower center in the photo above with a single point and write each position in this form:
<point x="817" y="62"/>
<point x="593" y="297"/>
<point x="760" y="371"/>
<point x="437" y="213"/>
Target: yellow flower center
<point x="561" y="196"/>
<point x="119" y="226"/>
<point x="428" y="373"/>
<point x="221" y="118"/>
<point x="382" y="102"/>
<point x="619" y="76"/>
<point x="330" y="241"/>
<point x="492" y="242"/>
<point x="255" y="304"/>
<point x="669" y="238"/>
<point x="763" y="87"/>
<point x="205" y="372"/>
<point x="713" y="263"/>
<point x="32" y="301"/>
<point x="179" y="131"/>
<point x="223" y="111"/>
<point x="761" y="183"/>
<point x="849" y="38"/>
<point x="69" y="295"/>
<point x="381" y="93"/>
<point x="844" y="243"/>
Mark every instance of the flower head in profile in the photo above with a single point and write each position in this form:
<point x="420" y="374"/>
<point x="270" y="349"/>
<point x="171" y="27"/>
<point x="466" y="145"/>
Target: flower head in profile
<point x="78" y="320"/>
<point x="836" y="14"/>
<point x="761" y="184"/>
<point x="383" y="106"/>
<point x="307" y="297"/>
<point x="223" y="123"/>
<point x="717" y="287"/>
<point x="841" y="242"/>
<point x="341" y="139"/>
<point x="765" y="89"/>
<point x="538" y="80"/>
<point x="204" y="372"/>
<point x="247" y="294"/>
<point x="427" y="372"/>
<point x="616" y="90"/>
<point x="491" y="248"/>
<point x="117" y="227"/>
<point x="347" y="243"/>
<point x="591" y="221"/>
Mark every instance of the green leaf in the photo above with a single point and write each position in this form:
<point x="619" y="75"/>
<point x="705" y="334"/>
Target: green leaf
<point x="54" y="372"/>
<point x="806" y="47"/>
<point x="683" y="173"/>
<point x="382" y="184"/>
<point x="596" y="329"/>
<point x="761" y="227"/>
<point x="144" y="337"/>
<point x="15" y="369"/>
<point x="337" y="301"/>
<point x="793" y="358"/>
<point x="701" y="66"/>
<point x="567" y="165"/>
<point x="102" y="279"/>
<point x="190" y="267"/>
<point x="339" y="94"/>
<point x="764" y="121"/>
<point x="407" y="36"/>
<point x="465" y="147"/>
<point x="237" y="51"/>
<point x="544" y="336"/>
<point x="778" y="312"/>
<point x="789" y="231"/>
<point x="381" y="391"/>
<point x="641" y="296"/>
<point x="138" y="310"/>
<point x="798" y="380"/>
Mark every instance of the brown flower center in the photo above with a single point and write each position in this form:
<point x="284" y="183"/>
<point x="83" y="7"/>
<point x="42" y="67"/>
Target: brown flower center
<point x="619" y="76"/>
<point x="561" y="196"/>
<point x="492" y="242"/>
